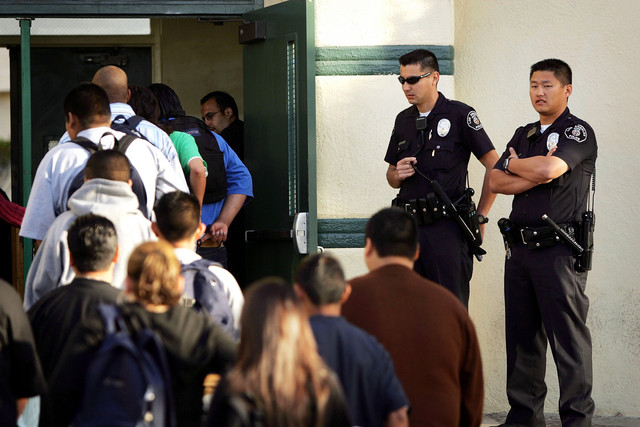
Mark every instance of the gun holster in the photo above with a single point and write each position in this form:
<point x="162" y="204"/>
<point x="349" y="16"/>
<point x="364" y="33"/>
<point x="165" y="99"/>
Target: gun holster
<point x="466" y="208"/>
<point x="585" y="239"/>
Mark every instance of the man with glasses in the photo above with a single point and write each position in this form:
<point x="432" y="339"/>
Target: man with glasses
<point x="432" y="141"/>
<point x="220" y="112"/>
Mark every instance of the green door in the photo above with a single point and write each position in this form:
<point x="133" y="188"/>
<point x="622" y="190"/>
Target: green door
<point x="280" y="152"/>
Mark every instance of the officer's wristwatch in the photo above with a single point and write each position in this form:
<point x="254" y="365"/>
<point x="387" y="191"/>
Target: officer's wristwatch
<point x="482" y="219"/>
<point x="505" y="165"/>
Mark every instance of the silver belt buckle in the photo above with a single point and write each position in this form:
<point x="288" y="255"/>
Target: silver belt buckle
<point x="522" y="236"/>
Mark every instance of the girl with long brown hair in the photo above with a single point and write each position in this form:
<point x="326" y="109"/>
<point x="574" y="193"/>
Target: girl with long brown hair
<point x="279" y="377"/>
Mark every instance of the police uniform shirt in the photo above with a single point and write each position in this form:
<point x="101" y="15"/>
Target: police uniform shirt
<point x="453" y="132"/>
<point x="565" y="198"/>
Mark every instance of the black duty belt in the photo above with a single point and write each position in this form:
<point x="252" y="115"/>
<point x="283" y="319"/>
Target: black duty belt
<point x="426" y="211"/>
<point x="539" y="237"/>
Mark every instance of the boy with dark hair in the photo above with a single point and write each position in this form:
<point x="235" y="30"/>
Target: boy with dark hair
<point x="178" y="222"/>
<point x="393" y="233"/>
<point x="93" y="251"/>
<point x="374" y="393"/>
<point x="106" y="192"/>
<point x="427" y="331"/>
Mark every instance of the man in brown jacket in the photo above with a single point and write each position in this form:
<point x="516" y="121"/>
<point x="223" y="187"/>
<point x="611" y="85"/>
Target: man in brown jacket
<point x="427" y="331"/>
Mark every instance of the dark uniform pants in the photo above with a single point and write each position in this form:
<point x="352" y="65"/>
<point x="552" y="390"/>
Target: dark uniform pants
<point x="545" y="300"/>
<point x="445" y="258"/>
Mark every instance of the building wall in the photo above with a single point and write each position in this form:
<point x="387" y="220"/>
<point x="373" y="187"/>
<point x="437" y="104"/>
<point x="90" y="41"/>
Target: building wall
<point x="495" y="42"/>
<point x="197" y="58"/>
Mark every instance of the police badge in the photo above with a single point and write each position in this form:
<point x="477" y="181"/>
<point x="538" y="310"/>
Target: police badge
<point x="577" y="133"/>
<point x="444" y="125"/>
<point x="473" y="121"/>
<point x="552" y="140"/>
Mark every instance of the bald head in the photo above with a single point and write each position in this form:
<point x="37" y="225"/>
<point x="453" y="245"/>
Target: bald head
<point x="114" y="81"/>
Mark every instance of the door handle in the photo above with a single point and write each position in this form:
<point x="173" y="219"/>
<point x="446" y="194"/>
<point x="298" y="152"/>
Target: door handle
<point x="299" y="233"/>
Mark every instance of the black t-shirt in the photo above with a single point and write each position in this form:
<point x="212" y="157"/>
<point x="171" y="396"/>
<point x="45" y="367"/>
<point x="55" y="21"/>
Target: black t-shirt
<point x="20" y="372"/>
<point x="565" y="198"/>
<point x="364" y="368"/>
<point x="234" y="135"/>
<point x="195" y="347"/>
<point x="453" y="132"/>
<point x="54" y="316"/>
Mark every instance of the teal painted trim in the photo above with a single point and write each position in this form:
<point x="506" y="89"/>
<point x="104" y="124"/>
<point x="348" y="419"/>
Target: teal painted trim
<point x="374" y="60"/>
<point x="342" y="233"/>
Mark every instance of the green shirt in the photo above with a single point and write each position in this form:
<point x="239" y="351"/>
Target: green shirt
<point x="187" y="149"/>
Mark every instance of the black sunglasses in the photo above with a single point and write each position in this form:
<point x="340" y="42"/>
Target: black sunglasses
<point x="413" y="79"/>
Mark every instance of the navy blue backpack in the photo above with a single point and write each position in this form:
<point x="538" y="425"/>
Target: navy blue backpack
<point x="203" y="295"/>
<point x="128" y="382"/>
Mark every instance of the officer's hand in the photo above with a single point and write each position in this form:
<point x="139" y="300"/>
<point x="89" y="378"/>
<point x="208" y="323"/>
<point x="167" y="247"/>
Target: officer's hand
<point x="482" y="231"/>
<point x="512" y="153"/>
<point x="553" y="150"/>
<point x="404" y="168"/>
<point x="218" y="231"/>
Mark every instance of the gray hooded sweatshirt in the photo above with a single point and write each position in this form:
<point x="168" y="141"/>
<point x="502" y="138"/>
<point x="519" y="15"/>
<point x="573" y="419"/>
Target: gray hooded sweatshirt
<point x="112" y="199"/>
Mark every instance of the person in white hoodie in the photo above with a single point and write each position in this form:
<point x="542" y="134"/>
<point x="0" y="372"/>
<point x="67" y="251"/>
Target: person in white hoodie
<point x="106" y="192"/>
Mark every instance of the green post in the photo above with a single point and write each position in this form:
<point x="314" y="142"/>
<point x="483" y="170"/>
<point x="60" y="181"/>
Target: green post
<point x="25" y="80"/>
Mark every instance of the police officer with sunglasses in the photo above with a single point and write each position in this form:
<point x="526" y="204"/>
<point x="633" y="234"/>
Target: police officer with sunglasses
<point x="433" y="140"/>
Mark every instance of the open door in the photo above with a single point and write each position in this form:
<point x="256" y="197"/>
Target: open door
<point x="280" y="152"/>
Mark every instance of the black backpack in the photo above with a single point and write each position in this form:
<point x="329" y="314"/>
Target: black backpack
<point x="128" y="126"/>
<point x="210" y="151"/>
<point x="128" y="381"/>
<point x="203" y="295"/>
<point x="121" y="145"/>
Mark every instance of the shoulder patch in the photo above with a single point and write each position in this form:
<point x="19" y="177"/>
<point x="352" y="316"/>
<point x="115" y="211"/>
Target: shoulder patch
<point x="576" y="132"/>
<point x="473" y="121"/>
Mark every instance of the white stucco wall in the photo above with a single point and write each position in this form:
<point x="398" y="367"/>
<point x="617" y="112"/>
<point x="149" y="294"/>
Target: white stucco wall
<point x="495" y="44"/>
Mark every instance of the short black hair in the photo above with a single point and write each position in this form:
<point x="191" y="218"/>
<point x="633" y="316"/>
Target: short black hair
<point x="425" y="58"/>
<point x="168" y="101"/>
<point x="177" y="215"/>
<point x="223" y="99"/>
<point x="322" y="279"/>
<point x="89" y="103"/>
<point x="93" y="242"/>
<point x="393" y="232"/>
<point x="560" y="69"/>
<point x="108" y="164"/>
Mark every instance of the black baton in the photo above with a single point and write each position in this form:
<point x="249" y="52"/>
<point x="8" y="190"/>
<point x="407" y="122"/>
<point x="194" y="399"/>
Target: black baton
<point x="563" y="234"/>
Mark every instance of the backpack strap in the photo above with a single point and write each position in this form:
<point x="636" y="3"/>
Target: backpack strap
<point x="87" y="144"/>
<point x="134" y="121"/>
<point x="109" y="313"/>
<point x="123" y="143"/>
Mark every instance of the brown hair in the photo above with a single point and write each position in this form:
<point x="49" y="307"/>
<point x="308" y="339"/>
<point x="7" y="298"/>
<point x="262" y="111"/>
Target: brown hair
<point x="278" y="360"/>
<point x="154" y="271"/>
